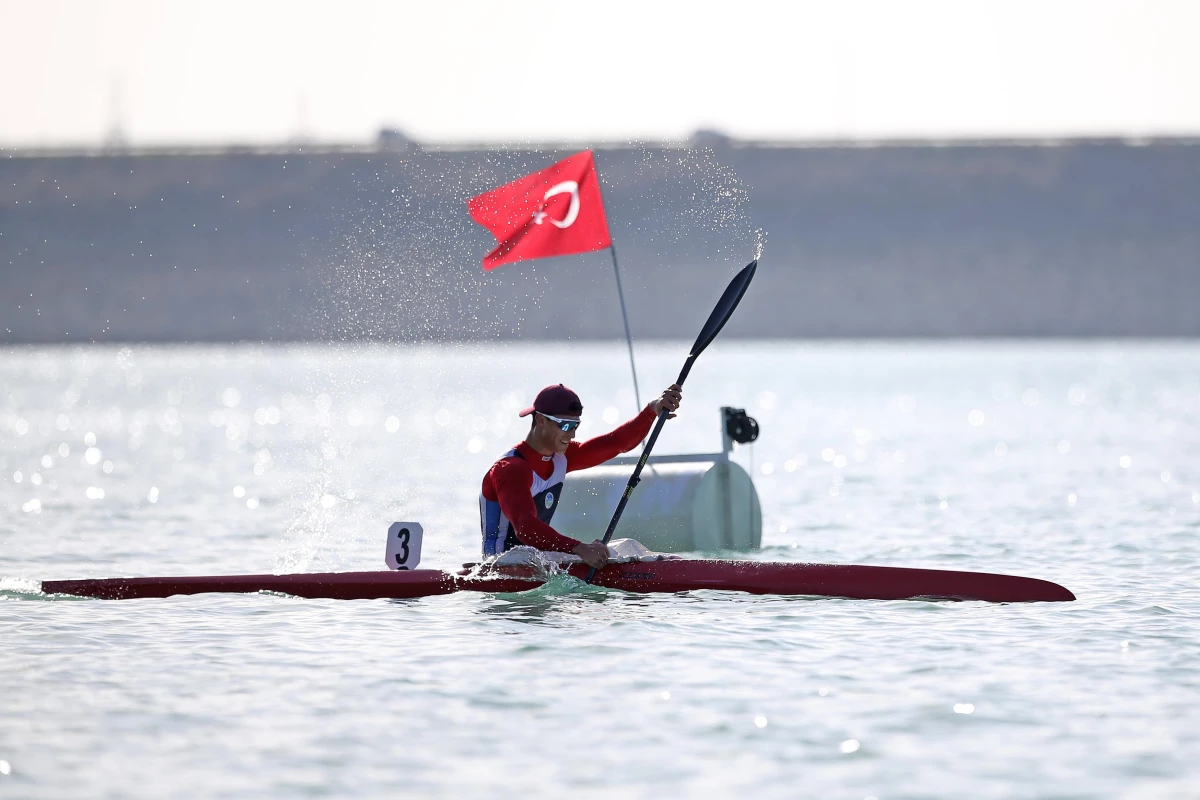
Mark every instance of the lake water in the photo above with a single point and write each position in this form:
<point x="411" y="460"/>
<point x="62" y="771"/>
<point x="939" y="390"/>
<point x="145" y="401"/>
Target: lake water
<point x="1074" y="462"/>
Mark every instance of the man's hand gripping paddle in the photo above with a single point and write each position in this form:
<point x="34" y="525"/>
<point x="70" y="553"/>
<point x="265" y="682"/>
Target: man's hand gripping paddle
<point x="716" y="320"/>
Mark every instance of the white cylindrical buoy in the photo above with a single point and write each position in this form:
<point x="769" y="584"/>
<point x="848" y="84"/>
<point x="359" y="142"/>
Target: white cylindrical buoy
<point x="683" y="503"/>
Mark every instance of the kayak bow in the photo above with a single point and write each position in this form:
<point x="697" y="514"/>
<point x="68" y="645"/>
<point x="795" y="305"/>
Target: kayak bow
<point x="682" y="575"/>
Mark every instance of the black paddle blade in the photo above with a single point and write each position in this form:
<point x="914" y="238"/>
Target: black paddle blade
<point x="724" y="308"/>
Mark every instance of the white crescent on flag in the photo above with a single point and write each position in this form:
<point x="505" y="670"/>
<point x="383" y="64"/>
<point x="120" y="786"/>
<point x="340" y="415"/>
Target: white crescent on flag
<point x="572" y="210"/>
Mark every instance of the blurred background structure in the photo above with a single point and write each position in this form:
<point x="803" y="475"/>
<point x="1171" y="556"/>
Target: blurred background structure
<point x="235" y="172"/>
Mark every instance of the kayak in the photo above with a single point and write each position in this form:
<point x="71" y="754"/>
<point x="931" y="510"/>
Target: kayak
<point x="679" y="575"/>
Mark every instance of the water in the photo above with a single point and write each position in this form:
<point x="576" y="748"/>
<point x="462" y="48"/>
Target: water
<point x="1075" y="462"/>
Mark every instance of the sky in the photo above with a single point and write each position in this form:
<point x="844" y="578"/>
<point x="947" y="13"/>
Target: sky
<point x="238" y="71"/>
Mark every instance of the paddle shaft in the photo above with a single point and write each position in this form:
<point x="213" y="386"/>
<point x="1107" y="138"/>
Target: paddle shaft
<point x="636" y="477"/>
<point x="716" y="320"/>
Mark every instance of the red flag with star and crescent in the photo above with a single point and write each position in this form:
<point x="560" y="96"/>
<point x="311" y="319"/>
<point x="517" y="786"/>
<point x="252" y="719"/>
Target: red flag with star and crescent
<point x="554" y="212"/>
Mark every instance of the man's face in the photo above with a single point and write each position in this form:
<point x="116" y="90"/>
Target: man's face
<point x="553" y="432"/>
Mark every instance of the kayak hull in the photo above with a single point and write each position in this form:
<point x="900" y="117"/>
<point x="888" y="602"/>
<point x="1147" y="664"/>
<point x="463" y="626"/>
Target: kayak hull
<point x="330" y="585"/>
<point x="851" y="581"/>
<point x="682" y="575"/>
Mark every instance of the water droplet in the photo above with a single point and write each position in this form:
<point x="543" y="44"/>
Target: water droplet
<point x="975" y="417"/>
<point x="760" y="721"/>
<point x="1126" y="462"/>
<point x="964" y="708"/>
<point x="849" y="746"/>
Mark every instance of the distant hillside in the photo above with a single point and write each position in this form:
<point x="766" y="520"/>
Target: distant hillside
<point x="1082" y="238"/>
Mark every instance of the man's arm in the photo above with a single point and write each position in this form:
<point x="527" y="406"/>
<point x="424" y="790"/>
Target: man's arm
<point x="512" y="479"/>
<point x="582" y="455"/>
<point x="623" y="438"/>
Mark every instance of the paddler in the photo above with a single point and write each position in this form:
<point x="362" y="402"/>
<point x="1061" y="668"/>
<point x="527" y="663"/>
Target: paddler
<point x="522" y="489"/>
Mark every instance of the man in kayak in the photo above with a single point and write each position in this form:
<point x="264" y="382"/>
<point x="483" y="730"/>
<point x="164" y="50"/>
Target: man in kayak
<point x="522" y="489"/>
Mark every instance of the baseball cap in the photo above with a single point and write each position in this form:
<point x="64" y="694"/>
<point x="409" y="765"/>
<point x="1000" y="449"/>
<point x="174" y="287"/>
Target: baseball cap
<point x="555" y="400"/>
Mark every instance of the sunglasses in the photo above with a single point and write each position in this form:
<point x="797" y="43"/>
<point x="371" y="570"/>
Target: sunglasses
<point x="564" y="425"/>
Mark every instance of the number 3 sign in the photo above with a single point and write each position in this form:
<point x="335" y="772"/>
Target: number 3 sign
<point x="404" y="545"/>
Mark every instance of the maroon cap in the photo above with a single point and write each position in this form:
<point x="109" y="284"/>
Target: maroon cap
<point x="556" y="401"/>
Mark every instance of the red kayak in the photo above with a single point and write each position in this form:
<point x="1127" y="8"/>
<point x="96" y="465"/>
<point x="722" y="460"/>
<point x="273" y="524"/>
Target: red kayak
<point x="682" y="575"/>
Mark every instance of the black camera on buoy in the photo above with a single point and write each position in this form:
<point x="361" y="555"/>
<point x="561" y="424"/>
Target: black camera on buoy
<point x="740" y="427"/>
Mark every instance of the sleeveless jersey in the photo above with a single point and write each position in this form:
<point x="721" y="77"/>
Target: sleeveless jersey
<point x="498" y="533"/>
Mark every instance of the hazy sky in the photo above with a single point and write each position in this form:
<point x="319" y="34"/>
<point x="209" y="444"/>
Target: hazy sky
<point x="236" y="70"/>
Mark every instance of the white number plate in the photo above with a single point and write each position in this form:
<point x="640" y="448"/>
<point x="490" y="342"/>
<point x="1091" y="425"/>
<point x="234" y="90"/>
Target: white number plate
<point x="404" y="545"/>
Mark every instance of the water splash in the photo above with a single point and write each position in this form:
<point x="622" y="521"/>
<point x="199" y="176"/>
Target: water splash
<point x="21" y="589"/>
<point x="406" y="269"/>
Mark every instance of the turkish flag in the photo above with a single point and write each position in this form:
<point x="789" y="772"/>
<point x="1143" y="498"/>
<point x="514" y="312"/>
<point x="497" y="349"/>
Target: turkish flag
<point x="554" y="212"/>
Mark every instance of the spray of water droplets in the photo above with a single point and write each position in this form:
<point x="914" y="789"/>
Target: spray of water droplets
<point x="407" y="269"/>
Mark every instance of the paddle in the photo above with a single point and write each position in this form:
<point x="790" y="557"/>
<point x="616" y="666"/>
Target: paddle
<point x="716" y="320"/>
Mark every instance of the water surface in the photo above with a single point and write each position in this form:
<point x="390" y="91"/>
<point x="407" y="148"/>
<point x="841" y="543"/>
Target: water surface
<point x="1074" y="462"/>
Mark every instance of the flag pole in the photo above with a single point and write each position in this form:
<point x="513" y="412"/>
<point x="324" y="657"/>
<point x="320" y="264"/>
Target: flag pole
<point x="612" y="248"/>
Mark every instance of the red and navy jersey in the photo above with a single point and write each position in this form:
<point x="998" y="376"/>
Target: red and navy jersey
<point x="521" y="491"/>
<point x="498" y="532"/>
